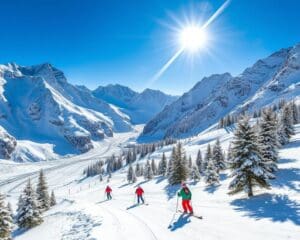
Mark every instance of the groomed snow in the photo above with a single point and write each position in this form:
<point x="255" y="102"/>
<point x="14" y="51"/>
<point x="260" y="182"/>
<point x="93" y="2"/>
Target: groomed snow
<point x="82" y="213"/>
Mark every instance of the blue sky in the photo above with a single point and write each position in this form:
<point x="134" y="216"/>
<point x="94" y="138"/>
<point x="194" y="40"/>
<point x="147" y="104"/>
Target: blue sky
<point x="97" y="42"/>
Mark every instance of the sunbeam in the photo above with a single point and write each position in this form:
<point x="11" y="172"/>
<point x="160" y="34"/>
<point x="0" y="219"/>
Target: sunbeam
<point x="192" y="37"/>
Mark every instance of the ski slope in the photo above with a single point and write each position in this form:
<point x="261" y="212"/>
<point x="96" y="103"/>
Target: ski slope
<point x="82" y="212"/>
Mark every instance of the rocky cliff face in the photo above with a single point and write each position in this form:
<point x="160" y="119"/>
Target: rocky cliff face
<point x="266" y="82"/>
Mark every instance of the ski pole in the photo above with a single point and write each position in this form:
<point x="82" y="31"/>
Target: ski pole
<point x="170" y="224"/>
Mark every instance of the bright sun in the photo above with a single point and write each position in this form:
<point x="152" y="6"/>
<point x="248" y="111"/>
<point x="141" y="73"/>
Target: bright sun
<point x="192" y="38"/>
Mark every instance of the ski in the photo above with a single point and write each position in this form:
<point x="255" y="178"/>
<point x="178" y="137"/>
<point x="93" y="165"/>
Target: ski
<point x="192" y="215"/>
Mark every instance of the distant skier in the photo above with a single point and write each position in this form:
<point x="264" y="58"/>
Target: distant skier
<point x="186" y="195"/>
<point x="108" y="191"/>
<point x="139" y="193"/>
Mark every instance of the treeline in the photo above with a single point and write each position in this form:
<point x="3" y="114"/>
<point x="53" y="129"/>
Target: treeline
<point x="230" y="119"/>
<point x="127" y="157"/>
<point x="31" y="204"/>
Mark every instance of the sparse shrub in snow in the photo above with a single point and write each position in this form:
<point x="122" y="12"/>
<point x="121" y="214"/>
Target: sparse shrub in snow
<point x="42" y="194"/>
<point x="52" y="199"/>
<point x="180" y="171"/>
<point x="162" y="166"/>
<point x="28" y="214"/>
<point x="247" y="165"/>
<point x="6" y="221"/>
<point x="268" y="139"/>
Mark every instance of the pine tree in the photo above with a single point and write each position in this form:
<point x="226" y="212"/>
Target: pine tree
<point x="162" y="170"/>
<point x="171" y="161"/>
<point x="52" y="199"/>
<point x="268" y="139"/>
<point x="148" y="174"/>
<point x="180" y="170"/>
<point x="218" y="156"/>
<point x="211" y="173"/>
<point x="42" y="194"/>
<point x="295" y="111"/>
<point x="208" y="157"/>
<point x="28" y="215"/>
<point x="229" y="153"/>
<point x="131" y="177"/>
<point x="286" y="128"/>
<point x="190" y="162"/>
<point x="153" y="167"/>
<point x="10" y="210"/>
<point x="248" y="167"/>
<point x="6" y="221"/>
<point x="138" y="170"/>
<point x="199" y="161"/>
<point x="195" y="175"/>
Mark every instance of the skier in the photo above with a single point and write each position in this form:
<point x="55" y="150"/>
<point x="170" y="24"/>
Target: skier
<point x="186" y="195"/>
<point x="108" y="191"/>
<point x="139" y="193"/>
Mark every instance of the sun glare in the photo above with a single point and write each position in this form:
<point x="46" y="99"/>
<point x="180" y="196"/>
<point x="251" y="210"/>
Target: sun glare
<point x="192" y="38"/>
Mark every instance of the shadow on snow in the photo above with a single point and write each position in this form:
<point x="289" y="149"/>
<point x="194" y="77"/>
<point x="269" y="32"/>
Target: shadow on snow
<point x="278" y="208"/>
<point x="181" y="221"/>
<point x="287" y="177"/>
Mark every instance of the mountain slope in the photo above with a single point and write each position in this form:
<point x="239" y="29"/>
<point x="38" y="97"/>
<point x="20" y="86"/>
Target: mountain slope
<point x="38" y="104"/>
<point x="268" y="80"/>
<point x="140" y="107"/>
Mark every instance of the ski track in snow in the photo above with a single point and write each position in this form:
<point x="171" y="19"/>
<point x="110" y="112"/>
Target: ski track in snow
<point x="84" y="215"/>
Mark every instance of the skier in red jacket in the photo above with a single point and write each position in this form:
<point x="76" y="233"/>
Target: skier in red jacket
<point x="108" y="191"/>
<point x="139" y="193"/>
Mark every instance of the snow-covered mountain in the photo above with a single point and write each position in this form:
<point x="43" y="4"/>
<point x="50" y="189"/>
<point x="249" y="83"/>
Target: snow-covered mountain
<point x="38" y="104"/>
<point x="141" y="107"/>
<point x="266" y="82"/>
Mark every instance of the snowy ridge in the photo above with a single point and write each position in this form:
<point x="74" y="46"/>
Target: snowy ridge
<point x="37" y="104"/>
<point x="140" y="107"/>
<point x="266" y="82"/>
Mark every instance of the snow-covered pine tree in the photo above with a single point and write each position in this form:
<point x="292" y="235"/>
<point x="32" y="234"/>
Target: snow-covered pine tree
<point x="148" y="174"/>
<point x="6" y="221"/>
<point x="42" y="194"/>
<point x="211" y="173"/>
<point x="10" y="210"/>
<point x="199" y="161"/>
<point x="141" y="170"/>
<point x="170" y="162"/>
<point x="162" y="170"/>
<point x="247" y="165"/>
<point x="131" y="177"/>
<point x="194" y="174"/>
<point x="207" y="158"/>
<point x="286" y="128"/>
<point x="28" y="215"/>
<point x="268" y="139"/>
<point x="180" y="171"/>
<point x="229" y="153"/>
<point x="218" y="156"/>
<point x="52" y="199"/>
<point x="153" y="167"/>
<point x="295" y="111"/>
<point x="138" y="170"/>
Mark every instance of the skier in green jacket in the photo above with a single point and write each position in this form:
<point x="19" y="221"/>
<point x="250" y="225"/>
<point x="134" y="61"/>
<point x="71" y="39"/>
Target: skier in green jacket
<point x="186" y="195"/>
